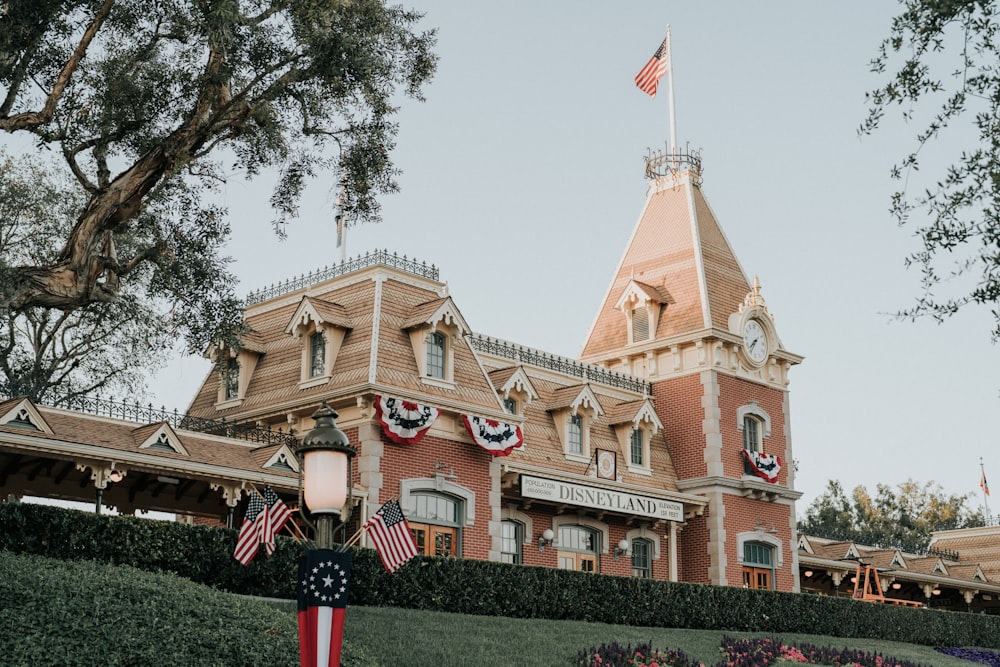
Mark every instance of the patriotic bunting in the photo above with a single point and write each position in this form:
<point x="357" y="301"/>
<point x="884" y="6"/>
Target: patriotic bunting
<point x="766" y="466"/>
<point x="404" y="422"/>
<point x="498" y="438"/>
<point x="324" y="577"/>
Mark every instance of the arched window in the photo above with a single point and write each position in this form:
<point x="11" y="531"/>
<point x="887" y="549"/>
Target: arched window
<point x="436" y="523"/>
<point x="435" y="355"/>
<point x="511" y="539"/>
<point x="752" y="433"/>
<point x="578" y="548"/>
<point x="642" y="558"/>
<point x="758" y="565"/>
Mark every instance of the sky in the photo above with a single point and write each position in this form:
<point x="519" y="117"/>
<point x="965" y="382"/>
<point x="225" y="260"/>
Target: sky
<point x="522" y="178"/>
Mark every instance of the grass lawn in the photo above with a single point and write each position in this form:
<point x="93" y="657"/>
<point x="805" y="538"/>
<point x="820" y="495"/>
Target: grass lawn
<point x="407" y="637"/>
<point x="86" y="614"/>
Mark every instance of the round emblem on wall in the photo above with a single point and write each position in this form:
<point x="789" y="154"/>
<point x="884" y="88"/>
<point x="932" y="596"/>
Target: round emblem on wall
<point x="606" y="464"/>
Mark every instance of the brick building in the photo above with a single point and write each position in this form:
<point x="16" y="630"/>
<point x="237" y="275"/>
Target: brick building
<point x="663" y="451"/>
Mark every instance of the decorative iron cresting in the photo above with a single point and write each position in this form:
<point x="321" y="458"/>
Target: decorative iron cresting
<point x="553" y="362"/>
<point x="374" y="258"/>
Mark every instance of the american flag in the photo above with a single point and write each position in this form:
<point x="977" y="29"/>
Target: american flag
<point x="278" y="514"/>
<point x="250" y="532"/>
<point x="983" y="485"/>
<point x="391" y="535"/>
<point x="324" y="577"/>
<point x="649" y="76"/>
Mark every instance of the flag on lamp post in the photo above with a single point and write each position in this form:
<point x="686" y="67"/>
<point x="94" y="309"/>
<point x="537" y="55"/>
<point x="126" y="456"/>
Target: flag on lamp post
<point x="277" y="514"/>
<point x="391" y="535"/>
<point x="251" y="531"/>
<point x="324" y="578"/>
<point x="649" y="76"/>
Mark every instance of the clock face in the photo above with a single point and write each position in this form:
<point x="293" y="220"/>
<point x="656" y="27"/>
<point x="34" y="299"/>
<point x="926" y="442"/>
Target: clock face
<point x="755" y="341"/>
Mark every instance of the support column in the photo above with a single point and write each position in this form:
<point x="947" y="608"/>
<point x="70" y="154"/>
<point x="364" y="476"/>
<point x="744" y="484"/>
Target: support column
<point x="673" y="550"/>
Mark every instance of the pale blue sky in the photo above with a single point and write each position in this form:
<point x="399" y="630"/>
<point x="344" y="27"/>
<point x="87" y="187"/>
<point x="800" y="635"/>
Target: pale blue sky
<point x="523" y="178"/>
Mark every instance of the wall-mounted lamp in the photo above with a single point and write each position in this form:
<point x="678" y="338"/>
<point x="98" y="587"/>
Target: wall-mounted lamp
<point x="545" y="539"/>
<point x="621" y="549"/>
<point x="896" y="585"/>
<point x="808" y="573"/>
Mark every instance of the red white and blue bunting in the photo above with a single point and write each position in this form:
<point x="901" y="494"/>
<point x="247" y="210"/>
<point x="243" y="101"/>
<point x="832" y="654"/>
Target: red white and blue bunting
<point x="766" y="466"/>
<point x="496" y="437"/>
<point x="404" y="422"/>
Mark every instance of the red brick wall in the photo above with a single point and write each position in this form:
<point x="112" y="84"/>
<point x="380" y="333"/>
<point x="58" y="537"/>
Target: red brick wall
<point x="735" y="393"/>
<point x="693" y="553"/>
<point x="741" y="516"/>
<point x="678" y="404"/>
<point x="470" y="464"/>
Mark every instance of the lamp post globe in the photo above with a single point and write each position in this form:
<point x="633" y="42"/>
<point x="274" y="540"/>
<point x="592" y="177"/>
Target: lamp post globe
<point x="326" y="456"/>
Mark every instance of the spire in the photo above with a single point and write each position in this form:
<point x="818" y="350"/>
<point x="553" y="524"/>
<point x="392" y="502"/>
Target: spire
<point x="678" y="248"/>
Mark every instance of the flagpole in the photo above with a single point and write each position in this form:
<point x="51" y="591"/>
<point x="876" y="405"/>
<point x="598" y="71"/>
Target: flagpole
<point x="670" y="83"/>
<point x="984" y="486"/>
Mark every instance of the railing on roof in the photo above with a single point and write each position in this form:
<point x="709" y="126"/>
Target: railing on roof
<point x="351" y="265"/>
<point x="147" y="414"/>
<point x="672" y="160"/>
<point x="943" y="553"/>
<point x="553" y="362"/>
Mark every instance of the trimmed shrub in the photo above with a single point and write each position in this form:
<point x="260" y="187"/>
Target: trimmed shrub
<point x="204" y="555"/>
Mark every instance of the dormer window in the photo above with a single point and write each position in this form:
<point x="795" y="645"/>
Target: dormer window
<point x="231" y="380"/>
<point x="317" y="354"/>
<point x="235" y="367"/>
<point x="637" y="447"/>
<point x="641" y="305"/>
<point x="574" y="435"/>
<point x="635" y="423"/>
<point x="640" y="325"/>
<point x="320" y="327"/>
<point x="436" y="345"/>
<point x="514" y="389"/>
<point x="574" y="410"/>
<point x="436" y="329"/>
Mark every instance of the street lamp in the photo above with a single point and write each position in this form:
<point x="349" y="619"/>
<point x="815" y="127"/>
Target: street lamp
<point x="326" y="473"/>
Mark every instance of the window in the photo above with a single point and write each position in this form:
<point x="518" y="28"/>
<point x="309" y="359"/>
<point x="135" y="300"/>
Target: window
<point x="511" y="539"/>
<point x="435" y="355"/>
<point x="758" y="565"/>
<point x="232" y="379"/>
<point x="317" y="354"/>
<point x="751" y="434"/>
<point x="510" y="406"/>
<point x="577" y="548"/>
<point x="574" y="434"/>
<point x="435" y="524"/>
<point x="642" y="558"/>
<point x="637" y="447"/>
<point x="640" y="324"/>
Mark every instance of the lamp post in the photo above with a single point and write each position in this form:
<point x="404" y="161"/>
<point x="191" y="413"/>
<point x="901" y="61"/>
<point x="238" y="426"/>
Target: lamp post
<point x="326" y="473"/>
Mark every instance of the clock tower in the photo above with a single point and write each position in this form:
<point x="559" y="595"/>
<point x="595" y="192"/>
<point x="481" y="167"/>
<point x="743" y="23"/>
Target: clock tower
<point x="681" y="313"/>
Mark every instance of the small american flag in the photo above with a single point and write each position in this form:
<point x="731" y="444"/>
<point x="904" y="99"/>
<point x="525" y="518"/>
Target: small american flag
<point x="649" y="76"/>
<point x="391" y="535"/>
<point x="278" y="513"/>
<point x="250" y="531"/>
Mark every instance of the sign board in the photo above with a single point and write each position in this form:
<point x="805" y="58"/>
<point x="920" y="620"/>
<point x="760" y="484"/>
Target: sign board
<point x="604" y="499"/>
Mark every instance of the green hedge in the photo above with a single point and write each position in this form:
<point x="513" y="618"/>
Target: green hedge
<point x="204" y="555"/>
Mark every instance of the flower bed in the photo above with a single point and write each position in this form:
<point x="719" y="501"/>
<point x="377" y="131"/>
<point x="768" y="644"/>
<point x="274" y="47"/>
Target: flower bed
<point x="978" y="655"/>
<point x="755" y="652"/>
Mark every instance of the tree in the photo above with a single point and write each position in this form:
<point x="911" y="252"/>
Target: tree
<point x="56" y="355"/>
<point x="144" y="100"/>
<point x="946" y="54"/>
<point x="903" y="517"/>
